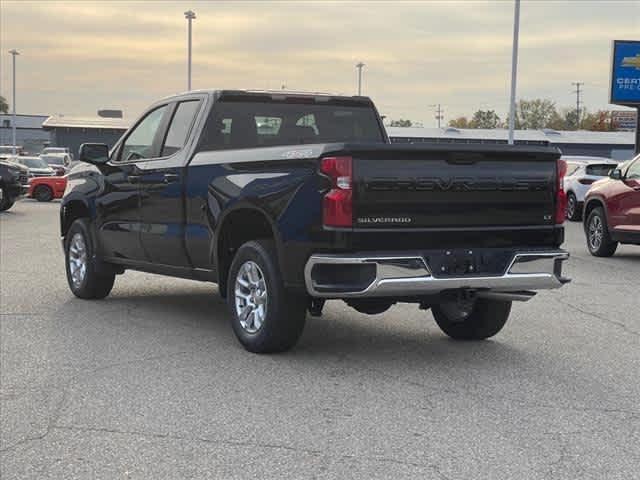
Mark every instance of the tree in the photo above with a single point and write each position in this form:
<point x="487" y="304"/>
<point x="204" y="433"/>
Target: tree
<point x="599" y="121"/>
<point x="485" y="119"/>
<point x="401" y="123"/>
<point x="536" y="114"/>
<point x="460" y="122"/>
<point x="4" y="106"/>
<point x="564" y="119"/>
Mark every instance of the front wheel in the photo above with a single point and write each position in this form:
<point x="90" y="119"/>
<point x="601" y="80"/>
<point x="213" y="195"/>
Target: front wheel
<point x="472" y="320"/>
<point x="599" y="241"/>
<point x="85" y="281"/>
<point x="43" y="193"/>
<point x="265" y="316"/>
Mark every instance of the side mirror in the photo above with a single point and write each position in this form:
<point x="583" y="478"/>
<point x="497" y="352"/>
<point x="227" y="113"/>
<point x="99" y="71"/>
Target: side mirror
<point x="616" y="174"/>
<point x="96" y="153"/>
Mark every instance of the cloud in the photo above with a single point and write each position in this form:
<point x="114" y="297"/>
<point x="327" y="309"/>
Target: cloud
<point x="81" y="56"/>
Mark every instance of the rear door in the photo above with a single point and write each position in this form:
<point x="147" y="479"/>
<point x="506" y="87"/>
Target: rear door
<point x="454" y="188"/>
<point x="162" y="187"/>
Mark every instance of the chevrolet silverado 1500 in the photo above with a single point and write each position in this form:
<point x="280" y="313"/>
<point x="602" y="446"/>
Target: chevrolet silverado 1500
<point x="286" y="200"/>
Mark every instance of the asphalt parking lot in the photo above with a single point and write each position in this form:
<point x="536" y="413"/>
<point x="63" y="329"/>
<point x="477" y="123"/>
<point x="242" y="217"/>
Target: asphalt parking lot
<point x="150" y="383"/>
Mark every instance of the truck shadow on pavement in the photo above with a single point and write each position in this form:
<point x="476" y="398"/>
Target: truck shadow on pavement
<point x="402" y="336"/>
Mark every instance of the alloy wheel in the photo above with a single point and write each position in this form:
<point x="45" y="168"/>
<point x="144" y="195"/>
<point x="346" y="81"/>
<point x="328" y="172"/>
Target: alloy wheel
<point x="571" y="207"/>
<point x="251" y="297"/>
<point x="596" y="232"/>
<point x="77" y="259"/>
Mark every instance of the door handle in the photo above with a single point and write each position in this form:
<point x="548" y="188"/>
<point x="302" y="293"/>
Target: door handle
<point x="171" y="177"/>
<point x="133" y="178"/>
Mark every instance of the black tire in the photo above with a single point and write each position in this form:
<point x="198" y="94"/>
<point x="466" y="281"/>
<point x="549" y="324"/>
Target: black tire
<point x="6" y="203"/>
<point x="94" y="284"/>
<point x="43" y="193"/>
<point x="285" y="314"/>
<point x="486" y="318"/>
<point x="605" y="247"/>
<point x="573" y="208"/>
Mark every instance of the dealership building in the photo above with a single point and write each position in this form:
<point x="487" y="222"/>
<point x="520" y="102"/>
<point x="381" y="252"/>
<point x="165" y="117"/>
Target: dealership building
<point x="35" y="132"/>
<point x="29" y="132"/>
<point x="616" y="145"/>
<point x="71" y="132"/>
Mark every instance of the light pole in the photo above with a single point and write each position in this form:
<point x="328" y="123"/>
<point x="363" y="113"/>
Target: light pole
<point x="359" y="67"/>
<point x="190" y="16"/>
<point x="514" y="70"/>
<point x="14" y="53"/>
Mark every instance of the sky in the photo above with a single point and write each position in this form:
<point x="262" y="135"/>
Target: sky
<point x="80" y="56"/>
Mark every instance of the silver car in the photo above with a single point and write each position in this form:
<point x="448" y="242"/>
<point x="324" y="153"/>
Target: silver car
<point x="36" y="165"/>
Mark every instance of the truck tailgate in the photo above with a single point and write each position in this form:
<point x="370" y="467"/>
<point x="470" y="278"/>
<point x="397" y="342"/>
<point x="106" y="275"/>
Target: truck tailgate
<point x="452" y="187"/>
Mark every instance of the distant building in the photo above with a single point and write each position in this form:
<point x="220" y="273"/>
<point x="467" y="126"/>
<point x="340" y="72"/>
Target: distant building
<point x="71" y="132"/>
<point x="29" y="132"/>
<point x="616" y="145"/>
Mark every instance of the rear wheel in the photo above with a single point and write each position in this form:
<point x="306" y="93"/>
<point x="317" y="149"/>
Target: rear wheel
<point x="85" y="281"/>
<point x="599" y="241"/>
<point x="573" y="211"/>
<point x="43" y="193"/>
<point x="472" y="320"/>
<point x="265" y="316"/>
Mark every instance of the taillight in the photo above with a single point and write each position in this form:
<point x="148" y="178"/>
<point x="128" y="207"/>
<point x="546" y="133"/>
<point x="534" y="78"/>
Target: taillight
<point x="561" y="196"/>
<point x="586" y="181"/>
<point x="337" y="204"/>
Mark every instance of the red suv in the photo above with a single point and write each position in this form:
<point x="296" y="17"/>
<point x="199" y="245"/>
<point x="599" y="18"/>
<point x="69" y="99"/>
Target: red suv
<point x="612" y="210"/>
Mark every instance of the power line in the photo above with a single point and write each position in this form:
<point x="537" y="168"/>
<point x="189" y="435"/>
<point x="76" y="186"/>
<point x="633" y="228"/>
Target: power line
<point x="578" y="92"/>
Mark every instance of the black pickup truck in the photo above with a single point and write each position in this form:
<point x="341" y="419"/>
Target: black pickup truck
<point x="14" y="182"/>
<point x="288" y="199"/>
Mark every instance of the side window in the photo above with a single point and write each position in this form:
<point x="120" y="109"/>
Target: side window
<point x="180" y="127"/>
<point x="308" y="121"/>
<point x="634" y="171"/>
<point x="572" y="168"/>
<point x="139" y="143"/>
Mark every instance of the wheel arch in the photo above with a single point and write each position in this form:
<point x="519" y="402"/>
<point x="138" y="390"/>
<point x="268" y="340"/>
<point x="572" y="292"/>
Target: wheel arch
<point x="237" y="226"/>
<point x="70" y="211"/>
<point x="589" y="205"/>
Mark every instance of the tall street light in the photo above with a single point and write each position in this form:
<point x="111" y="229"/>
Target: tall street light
<point x="359" y="67"/>
<point x="190" y="16"/>
<point x="514" y="70"/>
<point x="14" y="53"/>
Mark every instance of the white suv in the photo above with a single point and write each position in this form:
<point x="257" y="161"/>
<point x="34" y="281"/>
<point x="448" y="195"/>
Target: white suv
<point x="581" y="173"/>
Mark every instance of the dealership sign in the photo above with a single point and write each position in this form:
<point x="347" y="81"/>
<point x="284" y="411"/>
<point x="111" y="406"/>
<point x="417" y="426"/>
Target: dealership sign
<point x="623" y="120"/>
<point x="625" y="73"/>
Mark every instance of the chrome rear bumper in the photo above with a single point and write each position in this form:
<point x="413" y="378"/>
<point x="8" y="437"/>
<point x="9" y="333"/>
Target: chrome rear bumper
<point x="409" y="275"/>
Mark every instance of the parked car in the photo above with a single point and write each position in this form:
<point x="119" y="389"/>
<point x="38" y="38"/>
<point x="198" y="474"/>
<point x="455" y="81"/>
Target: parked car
<point x="45" y="189"/>
<point x="58" y="151"/>
<point x="581" y="173"/>
<point x="14" y="180"/>
<point x="60" y="162"/>
<point x="319" y="206"/>
<point x="612" y="210"/>
<point x="7" y="151"/>
<point x="37" y="166"/>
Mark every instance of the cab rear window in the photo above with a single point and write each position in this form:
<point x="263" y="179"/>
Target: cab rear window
<point x="257" y="124"/>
